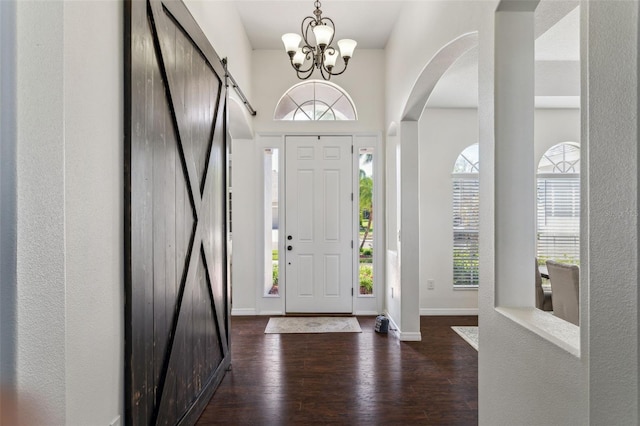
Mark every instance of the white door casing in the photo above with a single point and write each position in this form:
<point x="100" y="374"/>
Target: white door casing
<point x="318" y="212"/>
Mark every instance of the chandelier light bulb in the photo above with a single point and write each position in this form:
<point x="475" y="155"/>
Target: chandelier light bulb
<point x="347" y="46"/>
<point x="324" y="34"/>
<point x="298" y="58"/>
<point x="291" y="42"/>
<point x="330" y="58"/>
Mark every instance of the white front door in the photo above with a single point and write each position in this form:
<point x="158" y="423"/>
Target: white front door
<point x="318" y="230"/>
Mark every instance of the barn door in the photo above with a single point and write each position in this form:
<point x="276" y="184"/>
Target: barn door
<point x="177" y="294"/>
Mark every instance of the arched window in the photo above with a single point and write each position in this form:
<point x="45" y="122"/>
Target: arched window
<point x="466" y="217"/>
<point x="315" y="100"/>
<point x="558" y="204"/>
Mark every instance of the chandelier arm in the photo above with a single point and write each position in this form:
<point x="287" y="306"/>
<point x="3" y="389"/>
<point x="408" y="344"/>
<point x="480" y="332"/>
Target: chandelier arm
<point x="311" y="22"/>
<point x="302" y="70"/>
<point x="301" y="75"/>
<point x="336" y="73"/>
<point x="322" y="71"/>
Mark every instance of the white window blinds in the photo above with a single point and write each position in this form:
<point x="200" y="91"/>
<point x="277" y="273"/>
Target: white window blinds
<point x="466" y="191"/>
<point x="558" y="204"/>
<point x="466" y="217"/>
<point x="558" y="212"/>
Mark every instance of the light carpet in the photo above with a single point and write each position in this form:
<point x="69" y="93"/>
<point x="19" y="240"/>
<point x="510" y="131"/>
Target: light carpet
<point x="469" y="334"/>
<point x="281" y="325"/>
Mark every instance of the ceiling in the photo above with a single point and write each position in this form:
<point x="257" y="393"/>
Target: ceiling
<point x="369" y="23"/>
<point x="557" y="73"/>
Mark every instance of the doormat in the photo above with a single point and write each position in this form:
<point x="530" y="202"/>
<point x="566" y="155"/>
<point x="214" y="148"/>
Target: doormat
<point x="469" y="334"/>
<point x="282" y="325"/>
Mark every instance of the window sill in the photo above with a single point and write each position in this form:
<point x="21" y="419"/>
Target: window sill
<point x="465" y="288"/>
<point x="557" y="331"/>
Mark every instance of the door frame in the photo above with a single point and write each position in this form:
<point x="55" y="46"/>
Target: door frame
<point x="362" y="305"/>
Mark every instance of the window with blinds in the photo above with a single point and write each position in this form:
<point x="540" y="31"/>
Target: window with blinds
<point x="558" y="204"/>
<point x="466" y="215"/>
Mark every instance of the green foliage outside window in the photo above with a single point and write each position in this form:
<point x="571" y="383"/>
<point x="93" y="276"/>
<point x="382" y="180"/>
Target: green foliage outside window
<point x="465" y="266"/>
<point x="366" y="279"/>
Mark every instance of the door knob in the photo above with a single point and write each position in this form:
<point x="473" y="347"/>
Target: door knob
<point x="289" y="237"/>
<point x="289" y="248"/>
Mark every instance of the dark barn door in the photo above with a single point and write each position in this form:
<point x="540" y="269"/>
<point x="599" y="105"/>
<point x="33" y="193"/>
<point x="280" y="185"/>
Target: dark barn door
<point x="177" y="294"/>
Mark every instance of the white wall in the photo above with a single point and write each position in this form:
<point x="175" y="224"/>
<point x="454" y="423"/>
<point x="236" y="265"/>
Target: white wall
<point x="422" y="29"/>
<point x="601" y="386"/>
<point x="246" y="202"/>
<point x="221" y="24"/>
<point x="272" y="75"/>
<point x="94" y="227"/>
<point x="363" y="80"/>
<point x="610" y="124"/>
<point x="40" y="281"/>
<point x="513" y="360"/>
<point x="69" y="170"/>
<point x="444" y="133"/>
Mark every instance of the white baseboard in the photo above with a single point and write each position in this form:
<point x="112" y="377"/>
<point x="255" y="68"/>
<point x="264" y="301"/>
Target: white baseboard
<point x="412" y="336"/>
<point x="242" y="312"/>
<point x="366" y="313"/>
<point x="448" y="311"/>
<point x="271" y="313"/>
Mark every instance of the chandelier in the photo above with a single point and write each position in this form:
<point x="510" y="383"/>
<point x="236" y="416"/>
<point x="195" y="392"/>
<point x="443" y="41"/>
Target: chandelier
<point x="324" y="55"/>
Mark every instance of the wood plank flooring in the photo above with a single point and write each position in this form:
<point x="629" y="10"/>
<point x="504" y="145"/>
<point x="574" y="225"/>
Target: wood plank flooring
<point x="347" y="378"/>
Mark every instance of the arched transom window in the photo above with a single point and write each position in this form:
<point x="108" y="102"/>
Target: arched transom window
<point x="315" y="100"/>
<point x="466" y="217"/>
<point x="558" y="204"/>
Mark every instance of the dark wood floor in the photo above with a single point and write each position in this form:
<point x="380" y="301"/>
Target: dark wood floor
<point x="348" y="378"/>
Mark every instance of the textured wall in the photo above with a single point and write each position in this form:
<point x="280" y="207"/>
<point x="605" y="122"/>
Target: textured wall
<point x="41" y="309"/>
<point x="69" y="298"/>
<point x="612" y="247"/>
<point x="514" y="362"/>
<point x="93" y="96"/>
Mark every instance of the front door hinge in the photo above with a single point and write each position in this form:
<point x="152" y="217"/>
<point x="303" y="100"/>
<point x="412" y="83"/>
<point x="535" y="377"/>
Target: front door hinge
<point x="351" y="243"/>
<point x="352" y="149"/>
<point x="352" y="291"/>
<point x="352" y="196"/>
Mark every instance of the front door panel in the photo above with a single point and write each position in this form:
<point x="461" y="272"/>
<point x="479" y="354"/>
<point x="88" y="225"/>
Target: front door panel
<point x="318" y="209"/>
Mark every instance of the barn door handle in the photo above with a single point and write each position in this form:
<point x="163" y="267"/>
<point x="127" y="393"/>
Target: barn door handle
<point x="289" y="248"/>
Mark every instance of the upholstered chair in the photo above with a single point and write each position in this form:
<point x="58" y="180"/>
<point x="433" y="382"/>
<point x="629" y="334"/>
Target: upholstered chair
<point x="565" y="288"/>
<point x="543" y="297"/>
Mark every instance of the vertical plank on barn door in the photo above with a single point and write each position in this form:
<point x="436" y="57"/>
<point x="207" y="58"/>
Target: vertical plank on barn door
<point x="176" y="311"/>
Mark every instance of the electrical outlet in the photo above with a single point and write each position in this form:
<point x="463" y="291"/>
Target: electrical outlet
<point x="431" y="284"/>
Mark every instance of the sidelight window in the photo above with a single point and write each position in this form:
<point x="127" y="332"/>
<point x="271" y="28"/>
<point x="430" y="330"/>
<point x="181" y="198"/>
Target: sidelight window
<point x="466" y="218"/>
<point x="271" y="222"/>
<point x="365" y="220"/>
